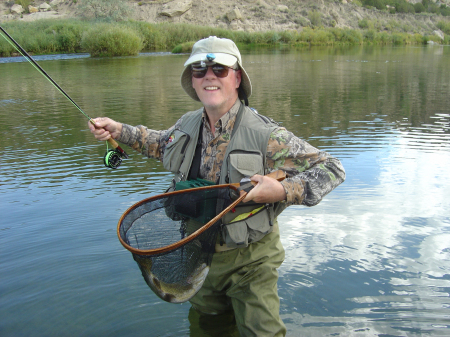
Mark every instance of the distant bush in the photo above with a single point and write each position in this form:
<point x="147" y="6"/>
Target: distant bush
<point x="289" y="36"/>
<point x="433" y="8"/>
<point x="404" y="6"/>
<point x="111" y="40"/>
<point x="363" y="24"/>
<point x="131" y="37"/>
<point x="378" y="4"/>
<point x="44" y="36"/>
<point x="315" y="17"/>
<point x="369" y="35"/>
<point x="444" y="26"/>
<point x="5" y="48"/>
<point x="444" y="10"/>
<point x="322" y="38"/>
<point x="67" y="34"/>
<point x="418" y="7"/>
<point x="183" y="47"/>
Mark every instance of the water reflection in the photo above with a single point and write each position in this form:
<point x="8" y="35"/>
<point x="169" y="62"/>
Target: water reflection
<point x="371" y="259"/>
<point x="379" y="246"/>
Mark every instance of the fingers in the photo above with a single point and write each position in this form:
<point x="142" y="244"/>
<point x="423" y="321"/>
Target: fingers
<point x="267" y="190"/>
<point x="104" y="128"/>
<point x="251" y="195"/>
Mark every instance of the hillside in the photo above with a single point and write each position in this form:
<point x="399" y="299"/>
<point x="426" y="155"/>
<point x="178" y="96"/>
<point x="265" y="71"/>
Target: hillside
<point x="247" y="15"/>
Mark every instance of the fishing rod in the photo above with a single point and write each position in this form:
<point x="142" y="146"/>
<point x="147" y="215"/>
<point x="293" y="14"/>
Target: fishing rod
<point x="113" y="157"/>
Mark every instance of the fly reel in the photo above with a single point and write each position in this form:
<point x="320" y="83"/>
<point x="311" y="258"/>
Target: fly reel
<point x="112" y="158"/>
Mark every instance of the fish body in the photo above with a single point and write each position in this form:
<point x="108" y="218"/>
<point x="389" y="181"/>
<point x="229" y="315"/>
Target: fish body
<point x="173" y="292"/>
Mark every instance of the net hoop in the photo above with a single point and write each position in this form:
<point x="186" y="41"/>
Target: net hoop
<point x="168" y="248"/>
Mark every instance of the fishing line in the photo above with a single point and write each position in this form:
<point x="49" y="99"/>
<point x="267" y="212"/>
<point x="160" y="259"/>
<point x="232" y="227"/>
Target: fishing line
<point x="113" y="157"/>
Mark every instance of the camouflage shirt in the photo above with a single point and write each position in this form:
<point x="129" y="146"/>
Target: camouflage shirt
<point x="311" y="174"/>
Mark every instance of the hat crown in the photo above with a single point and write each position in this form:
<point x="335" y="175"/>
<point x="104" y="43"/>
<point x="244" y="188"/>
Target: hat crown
<point x="216" y="45"/>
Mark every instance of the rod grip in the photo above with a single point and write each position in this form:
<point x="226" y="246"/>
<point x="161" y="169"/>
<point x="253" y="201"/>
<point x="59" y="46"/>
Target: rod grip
<point x="113" y="143"/>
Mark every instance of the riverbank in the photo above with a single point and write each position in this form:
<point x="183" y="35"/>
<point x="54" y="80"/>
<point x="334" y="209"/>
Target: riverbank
<point x="101" y="38"/>
<point x="246" y="15"/>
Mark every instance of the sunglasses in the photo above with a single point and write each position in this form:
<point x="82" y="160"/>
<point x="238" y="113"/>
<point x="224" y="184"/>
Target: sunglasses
<point x="219" y="70"/>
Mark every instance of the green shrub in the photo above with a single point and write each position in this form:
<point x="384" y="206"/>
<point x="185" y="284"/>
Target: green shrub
<point x="316" y="18"/>
<point x="272" y="37"/>
<point x="444" y="10"/>
<point x="146" y="30"/>
<point x="322" y="37"/>
<point x="302" y="21"/>
<point x="444" y="26"/>
<point x="417" y="39"/>
<point x="369" y="35"/>
<point x="130" y="37"/>
<point x="419" y="8"/>
<point x="378" y="4"/>
<point x="382" y="38"/>
<point x="363" y="24"/>
<point x="289" y="36"/>
<point x="183" y="48"/>
<point x="351" y="36"/>
<point x="306" y="35"/>
<point x="68" y="35"/>
<point x="398" y="38"/>
<point x="111" y="40"/>
<point x="433" y="8"/>
<point x="6" y="49"/>
<point x="404" y="7"/>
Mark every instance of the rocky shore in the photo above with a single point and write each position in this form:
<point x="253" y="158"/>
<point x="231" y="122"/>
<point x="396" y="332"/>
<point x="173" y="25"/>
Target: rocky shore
<point x="246" y="15"/>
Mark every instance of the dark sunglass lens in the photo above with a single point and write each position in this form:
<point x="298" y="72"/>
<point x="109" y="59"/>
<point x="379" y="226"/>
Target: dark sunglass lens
<point x="220" y="71"/>
<point x="199" y="72"/>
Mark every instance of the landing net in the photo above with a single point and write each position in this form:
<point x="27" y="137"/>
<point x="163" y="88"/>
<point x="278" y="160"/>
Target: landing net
<point x="172" y="238"/>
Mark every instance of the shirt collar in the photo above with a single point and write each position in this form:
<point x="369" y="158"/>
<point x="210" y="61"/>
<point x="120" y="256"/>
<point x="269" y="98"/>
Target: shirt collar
<point x="223" y="122"/>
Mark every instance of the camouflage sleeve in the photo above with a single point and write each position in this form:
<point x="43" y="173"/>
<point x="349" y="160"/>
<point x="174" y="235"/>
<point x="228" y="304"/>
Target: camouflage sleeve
<point x="150" y="143"/>
<point x="311" y="174"/>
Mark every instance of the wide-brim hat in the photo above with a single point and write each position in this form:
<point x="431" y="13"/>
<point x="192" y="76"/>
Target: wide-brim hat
<point x="217" y="50"/>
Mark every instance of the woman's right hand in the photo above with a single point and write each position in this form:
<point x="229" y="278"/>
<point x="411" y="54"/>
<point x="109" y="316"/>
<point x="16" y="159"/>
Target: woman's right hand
<point x="105" y="128"/>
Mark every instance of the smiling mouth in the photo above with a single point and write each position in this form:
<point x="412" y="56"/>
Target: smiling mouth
<point x="211" y="88"/>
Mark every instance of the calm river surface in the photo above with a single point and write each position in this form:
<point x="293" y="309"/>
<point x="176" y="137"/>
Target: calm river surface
<point x="372" y="259"/>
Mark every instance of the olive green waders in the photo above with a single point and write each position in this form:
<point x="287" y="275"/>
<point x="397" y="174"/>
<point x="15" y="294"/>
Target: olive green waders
<point x="245" y="280"/>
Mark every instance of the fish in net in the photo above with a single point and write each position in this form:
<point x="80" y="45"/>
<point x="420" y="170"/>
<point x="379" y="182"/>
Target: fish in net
<point x="172" y="236"/>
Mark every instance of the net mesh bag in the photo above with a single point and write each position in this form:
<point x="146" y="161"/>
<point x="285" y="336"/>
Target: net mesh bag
<point x="172" y="238"/>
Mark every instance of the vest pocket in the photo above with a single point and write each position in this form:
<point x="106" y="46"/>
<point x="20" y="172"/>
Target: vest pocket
<point x="240" y="233"/>
<point x="244" y="164"/>
<point x="175" y="150"/>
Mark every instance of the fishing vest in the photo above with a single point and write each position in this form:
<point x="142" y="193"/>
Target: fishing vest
<point x="245" y="156"/>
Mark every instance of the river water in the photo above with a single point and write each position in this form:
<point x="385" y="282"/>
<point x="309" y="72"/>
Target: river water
<point x="372" y="259"/>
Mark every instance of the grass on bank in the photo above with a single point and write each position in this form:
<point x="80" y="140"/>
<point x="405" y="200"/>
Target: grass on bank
<point x="130" y="37"/>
